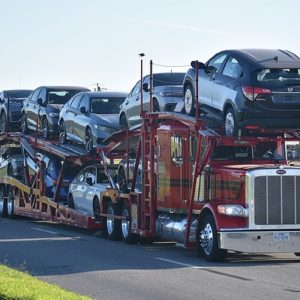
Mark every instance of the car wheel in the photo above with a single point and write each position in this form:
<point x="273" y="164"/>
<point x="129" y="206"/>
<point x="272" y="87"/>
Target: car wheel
<point x="10" y="204"/>
<point x="24" y="126"/>
<point x="71" y="202"/>
<point x="189" y="101"/>
<point x="3" y="210"/>
<point x="96" y="209"/>
<point x="123" y="122"/>
<point x="62" y="133"/>
<point x="113" y="226"/>
<point x="155" y="106"/>
<point x="3" y="125"/>
<point x="45" y="128"/>
<point x="207" y="240"/>
<point x="89" y="141"/>
<point x="122" y="181"/>
<point x="127" y="235"/>
<point x="230" y="123"/>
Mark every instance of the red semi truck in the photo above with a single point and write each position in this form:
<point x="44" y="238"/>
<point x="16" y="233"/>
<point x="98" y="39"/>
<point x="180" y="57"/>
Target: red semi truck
<point x="207" y="190"/>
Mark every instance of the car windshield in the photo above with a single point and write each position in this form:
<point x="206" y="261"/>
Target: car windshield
<point x="18" y="94"/>
<point x="106" y="105"/>
<point x="60" y="96"/>
<point x="262" y="151"/>
<point x="168" y="79"/>
<point x="278" y="75"/>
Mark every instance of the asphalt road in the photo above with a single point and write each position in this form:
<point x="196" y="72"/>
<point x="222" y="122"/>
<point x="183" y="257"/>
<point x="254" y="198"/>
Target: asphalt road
<point x="83" y="262"/>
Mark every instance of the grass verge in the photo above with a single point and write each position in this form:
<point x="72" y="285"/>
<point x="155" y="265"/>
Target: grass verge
<point x="16" y="285"/>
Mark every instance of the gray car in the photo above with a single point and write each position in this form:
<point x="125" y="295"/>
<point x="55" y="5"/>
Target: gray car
<point x="41" y="109"/>
<point x="85" y="189"/>
<point x="11" y="103"/>
<point x="90" y="117"/>
<point x="167" y="92"/>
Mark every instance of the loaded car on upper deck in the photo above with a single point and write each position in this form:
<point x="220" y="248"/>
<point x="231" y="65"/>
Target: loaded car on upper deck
<point x="247" y="89"/>
<point x="11" y="103"/>
<point x="42" y="108"/>
<point x="90" y="117"/>
<point x="167" y="92"/>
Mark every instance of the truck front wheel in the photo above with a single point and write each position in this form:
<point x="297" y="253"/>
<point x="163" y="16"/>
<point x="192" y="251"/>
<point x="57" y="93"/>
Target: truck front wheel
<point x="207" y="240"/>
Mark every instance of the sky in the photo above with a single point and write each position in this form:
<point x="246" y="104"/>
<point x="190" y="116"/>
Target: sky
<point x="84" y="42"/>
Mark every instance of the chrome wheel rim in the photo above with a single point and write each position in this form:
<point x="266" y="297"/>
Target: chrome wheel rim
<point x="229" y="124"/>
<point x="188" y="101"/>
<point x="10" y="201"/>
<point x="125" y="223"/>
<point x="110" y="221"/>
<point x="62" y="135"/>
<point x="206" y="239"/>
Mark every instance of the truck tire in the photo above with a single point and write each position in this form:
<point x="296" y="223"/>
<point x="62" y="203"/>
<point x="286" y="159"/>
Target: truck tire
<point x="189" y="100"/>
<point x="207" y="240"/>
<point x="96" y="209"/>
<point x="127" y="235"/>
<point x="3" y="210"/>
<point x="113" y="226"/>
<point x="10" y="204"/>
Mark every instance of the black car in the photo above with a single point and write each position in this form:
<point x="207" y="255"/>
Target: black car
<point x="41" y="110"/>
<point x="90" y="117"/>
<point x="11" y="103"/>
<point x="247" y="89"/>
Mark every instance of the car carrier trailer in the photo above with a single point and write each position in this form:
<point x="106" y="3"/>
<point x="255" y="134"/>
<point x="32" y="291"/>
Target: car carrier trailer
<point x="26" y="196"/>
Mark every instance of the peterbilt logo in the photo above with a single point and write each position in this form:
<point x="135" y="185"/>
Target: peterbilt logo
<point x="280" y="172"/>
<point x="290" y="89"/>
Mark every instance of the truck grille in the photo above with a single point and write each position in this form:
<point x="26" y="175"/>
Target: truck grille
<point x="276" y="200"/>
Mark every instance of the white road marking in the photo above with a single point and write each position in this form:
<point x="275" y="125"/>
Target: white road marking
<point x="60" y="238"/>
<point x="43" y="230"/>
<point x="179" y="263"/>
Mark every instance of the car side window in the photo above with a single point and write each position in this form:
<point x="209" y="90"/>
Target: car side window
<point x="34" y="96"/>
<point x="75" y="102"/>
<point x="214" y="65"/>
<point x="81" y="176"/>
<point x="85" y="102"/>
<point x="42" y="95"/>
<point x="137" y="89"/>
<point x="232" y="68"/>
<point x="91" y="173"/>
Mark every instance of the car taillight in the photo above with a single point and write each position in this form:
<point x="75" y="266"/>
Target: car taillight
<point x="253" y="93"/>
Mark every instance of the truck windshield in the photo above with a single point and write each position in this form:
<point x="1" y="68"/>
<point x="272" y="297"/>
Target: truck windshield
<point x="262" y="151"/>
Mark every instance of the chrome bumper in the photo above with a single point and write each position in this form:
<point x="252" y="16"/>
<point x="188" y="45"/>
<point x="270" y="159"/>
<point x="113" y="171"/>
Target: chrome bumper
<point x="260" y="241"/>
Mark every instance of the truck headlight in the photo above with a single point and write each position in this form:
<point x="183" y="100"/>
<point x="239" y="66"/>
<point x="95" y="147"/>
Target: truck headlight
<point x="233" y="210"/>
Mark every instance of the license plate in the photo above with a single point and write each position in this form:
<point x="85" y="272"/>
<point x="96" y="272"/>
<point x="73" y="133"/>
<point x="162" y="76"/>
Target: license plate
<point x="281" y="236"/>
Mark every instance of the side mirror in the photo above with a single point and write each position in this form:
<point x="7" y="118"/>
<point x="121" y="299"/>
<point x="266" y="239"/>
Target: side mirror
<point x="89" y="181"/>
<point x="145" y="87"/>
<point x="201" y="65"/>
<point x="40" y="101"/>
<point x="83" y="110"/>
